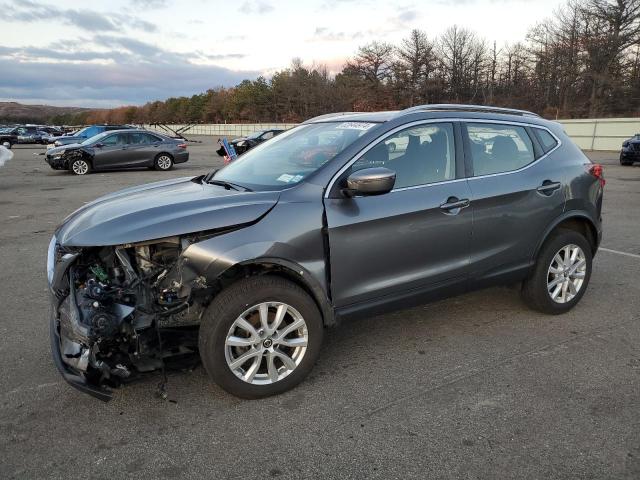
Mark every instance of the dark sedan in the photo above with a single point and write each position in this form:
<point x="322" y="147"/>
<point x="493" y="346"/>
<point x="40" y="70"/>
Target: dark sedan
<point x="242" y="144"/>
<point x="8" y="137"/>
<point x="630" y="152"/>
<point x="119" y="149"/>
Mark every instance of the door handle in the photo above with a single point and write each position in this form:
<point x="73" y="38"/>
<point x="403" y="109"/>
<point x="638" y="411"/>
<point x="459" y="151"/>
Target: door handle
<point x="548" y="187"/>
<point x="454" y="203"/>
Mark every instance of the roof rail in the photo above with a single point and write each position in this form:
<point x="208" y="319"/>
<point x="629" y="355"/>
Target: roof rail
<point x="445" y="107"/>
<point x="329" y="115"/>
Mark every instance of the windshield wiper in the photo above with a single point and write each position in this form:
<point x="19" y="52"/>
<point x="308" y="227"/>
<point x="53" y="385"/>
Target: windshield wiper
<point x="229" y="185"/>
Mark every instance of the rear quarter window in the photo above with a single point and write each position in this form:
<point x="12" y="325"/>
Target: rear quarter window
<point x="547" y="141"/>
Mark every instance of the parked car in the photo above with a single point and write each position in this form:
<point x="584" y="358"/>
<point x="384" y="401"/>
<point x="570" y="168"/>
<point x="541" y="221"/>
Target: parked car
<point x="83" y="134"/>
<point x="119" y="149"/>
<point x="243" y="144"/>
<point x="248" y="264"/>
<point x="8" y="137"/>
<point x="630" y="152"/>
<point x="51" y="132"/>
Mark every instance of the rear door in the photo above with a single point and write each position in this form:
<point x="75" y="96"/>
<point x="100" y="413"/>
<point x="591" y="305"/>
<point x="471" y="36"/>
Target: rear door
<point x="517" y="192"/>
<point x="143" y="148"/>
<point x="407" y="242"/>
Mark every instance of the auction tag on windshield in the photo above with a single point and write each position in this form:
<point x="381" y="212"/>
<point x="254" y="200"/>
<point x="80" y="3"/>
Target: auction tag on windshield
<point x="355" y="126"/>
<point x="285" y="177"/>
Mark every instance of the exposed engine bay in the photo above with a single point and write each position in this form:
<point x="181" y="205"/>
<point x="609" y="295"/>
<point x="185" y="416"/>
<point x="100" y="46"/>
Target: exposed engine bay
<point x="128" y="310"/>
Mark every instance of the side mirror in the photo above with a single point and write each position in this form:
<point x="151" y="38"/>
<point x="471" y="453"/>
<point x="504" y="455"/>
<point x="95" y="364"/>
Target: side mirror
<point x="99" y="145"/>
<point x="370" y="181"/>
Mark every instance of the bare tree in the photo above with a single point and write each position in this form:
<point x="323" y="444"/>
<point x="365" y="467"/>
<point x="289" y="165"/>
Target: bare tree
<point x="414" y="66"/>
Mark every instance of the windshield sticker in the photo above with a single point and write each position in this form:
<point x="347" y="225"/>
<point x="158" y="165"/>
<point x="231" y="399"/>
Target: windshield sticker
<point x="355" y="126"/>
<point x="286" y="178"/>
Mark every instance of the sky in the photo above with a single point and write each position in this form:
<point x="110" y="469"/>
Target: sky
<point x="117" y="52"/>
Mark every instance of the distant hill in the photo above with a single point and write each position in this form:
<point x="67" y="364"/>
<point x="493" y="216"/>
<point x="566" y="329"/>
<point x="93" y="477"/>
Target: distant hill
<point x="13" y="112"/>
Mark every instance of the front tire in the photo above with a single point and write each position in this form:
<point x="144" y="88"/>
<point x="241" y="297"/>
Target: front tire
<point x="625" y="163"/>
<point x="80" y="166"/>
<point x="260" y="337"/>
<point x="561" y="273"/>
<point x="163" y="162"/>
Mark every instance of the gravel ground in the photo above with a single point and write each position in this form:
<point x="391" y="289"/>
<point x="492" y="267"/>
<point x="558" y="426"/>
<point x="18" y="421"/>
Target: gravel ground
<point x="476" y="386"/>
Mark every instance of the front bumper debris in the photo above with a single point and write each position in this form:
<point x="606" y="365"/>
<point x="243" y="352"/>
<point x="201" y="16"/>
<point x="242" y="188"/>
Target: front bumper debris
<point x="64" y="332"/>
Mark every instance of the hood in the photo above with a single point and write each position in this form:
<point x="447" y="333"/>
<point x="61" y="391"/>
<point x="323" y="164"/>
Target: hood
<point x="70" y="140"/>
<point x="161" y="209"/>
<point x="63" y="148"/>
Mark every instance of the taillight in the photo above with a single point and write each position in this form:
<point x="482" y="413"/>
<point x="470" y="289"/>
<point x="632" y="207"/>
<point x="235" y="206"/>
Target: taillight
<point x="182" y="145"/>
<point x="597" y="171"/>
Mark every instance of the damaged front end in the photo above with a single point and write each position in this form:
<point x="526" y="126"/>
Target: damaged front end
<point x="121" y="311"/>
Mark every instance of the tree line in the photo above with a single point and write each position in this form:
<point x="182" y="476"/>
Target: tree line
<point x="584" y="61"/>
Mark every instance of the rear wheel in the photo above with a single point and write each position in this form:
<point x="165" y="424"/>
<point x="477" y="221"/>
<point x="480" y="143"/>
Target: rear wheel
<point x="163" y="162"/>
<point x="80" y="166"/>
<point x="260" y="337"/>
<point x="561" y="274"/>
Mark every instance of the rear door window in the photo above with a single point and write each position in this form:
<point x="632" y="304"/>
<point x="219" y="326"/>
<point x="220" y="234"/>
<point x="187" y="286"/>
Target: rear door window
<point x="143" y="138"/>
<point x="499" y="148"/>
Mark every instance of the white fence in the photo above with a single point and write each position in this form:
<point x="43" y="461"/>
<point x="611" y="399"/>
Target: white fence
<point x="592" y="134"/>
<point x="230" y="130"/>
<point x="602" y="133"/>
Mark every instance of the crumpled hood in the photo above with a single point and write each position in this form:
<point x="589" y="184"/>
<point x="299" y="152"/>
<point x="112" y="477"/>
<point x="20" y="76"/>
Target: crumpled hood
<point x="161" y="209"/>
<point x="63" y="148"/>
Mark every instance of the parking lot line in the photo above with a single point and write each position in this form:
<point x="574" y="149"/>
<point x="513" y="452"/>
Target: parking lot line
<point x="619" y="252"/>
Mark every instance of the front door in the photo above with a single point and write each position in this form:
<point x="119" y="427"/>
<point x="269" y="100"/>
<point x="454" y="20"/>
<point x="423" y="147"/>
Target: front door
<point x="411" y="240"/>
<point x="113" y="152"/>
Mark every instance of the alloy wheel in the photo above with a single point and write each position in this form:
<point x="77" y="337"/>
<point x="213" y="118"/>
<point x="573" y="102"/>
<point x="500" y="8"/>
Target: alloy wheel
<point x="80" y="167"/>
<point x="566" y="273"/>
<point x="266" y="343"/>
<point x="164" y="162"/>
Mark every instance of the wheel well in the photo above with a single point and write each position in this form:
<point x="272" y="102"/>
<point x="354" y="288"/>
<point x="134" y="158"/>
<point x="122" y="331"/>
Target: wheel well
<point x="582" y="226"/>
<point x="81" y="154"/>
<point x="164" y="153"/>
<point x="240" y="271"/>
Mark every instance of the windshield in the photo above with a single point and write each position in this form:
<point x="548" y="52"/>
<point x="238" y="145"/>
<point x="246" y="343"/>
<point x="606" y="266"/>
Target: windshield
<point x="255" y="134"/>
<point x="95" y="138"/>
<point x="291" y="156"/>
<point x="82" y="131"/>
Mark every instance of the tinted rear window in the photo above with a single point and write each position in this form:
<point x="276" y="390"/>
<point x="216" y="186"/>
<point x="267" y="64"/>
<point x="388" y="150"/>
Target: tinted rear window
<point x="547" y="140"/>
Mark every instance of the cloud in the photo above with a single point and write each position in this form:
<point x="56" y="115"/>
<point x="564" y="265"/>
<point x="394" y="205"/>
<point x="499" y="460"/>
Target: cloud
<point x="255" y="6"/>
<point x="29" y="11"/>
<point x="324" y="34"/>
<point x="110" y="70"/>
<point x="150" y="3"/>
<point x="110" y="84"/>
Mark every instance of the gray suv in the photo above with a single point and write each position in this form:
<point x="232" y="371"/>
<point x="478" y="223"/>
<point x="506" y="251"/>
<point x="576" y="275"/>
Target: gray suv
<point x="347" y="215"/>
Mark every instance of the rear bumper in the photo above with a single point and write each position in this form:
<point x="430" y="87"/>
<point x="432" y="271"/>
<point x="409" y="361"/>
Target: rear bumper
<point x="181" y="157"/>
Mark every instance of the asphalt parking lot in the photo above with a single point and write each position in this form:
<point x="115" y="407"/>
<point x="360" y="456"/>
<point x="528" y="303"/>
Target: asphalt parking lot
<point x="472" y="387"/>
